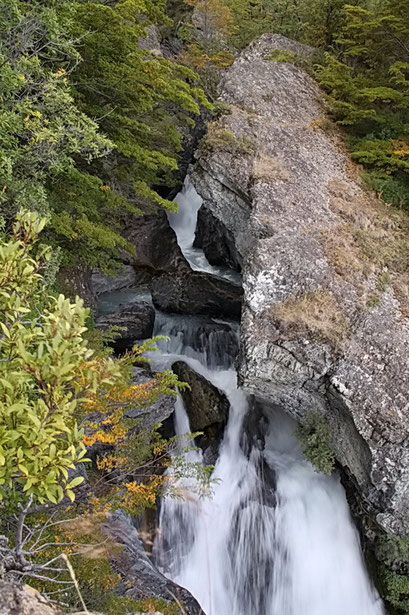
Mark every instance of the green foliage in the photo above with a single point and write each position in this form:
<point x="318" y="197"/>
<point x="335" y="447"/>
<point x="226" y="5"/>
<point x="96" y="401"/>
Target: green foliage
<point x="396" y="591"/>
<point x="41" y="129"/>
<point x="40" y="351"/>
<point x="49" y="377"/>
<point x="315" y="437"/>
<point x="367" y="88"/>
<point x="144" y="101"/>
<point x="310" y="21"/>
<point x="306" y="63"/>
<point x="90" y="125"/>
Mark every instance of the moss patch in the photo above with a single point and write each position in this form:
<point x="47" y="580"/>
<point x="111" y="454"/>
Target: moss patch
<point x="314" y="436"/>
<point x="218" y="138"/>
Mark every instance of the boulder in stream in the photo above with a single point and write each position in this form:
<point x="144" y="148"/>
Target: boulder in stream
<point x="156" y="247"/>
<point x="207" y="408"/>
<point x="216" y="241"/>
<point x="193" y="292"/>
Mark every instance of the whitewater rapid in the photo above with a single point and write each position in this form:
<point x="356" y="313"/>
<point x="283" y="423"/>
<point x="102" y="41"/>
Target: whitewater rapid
<point x="275" y="537"/>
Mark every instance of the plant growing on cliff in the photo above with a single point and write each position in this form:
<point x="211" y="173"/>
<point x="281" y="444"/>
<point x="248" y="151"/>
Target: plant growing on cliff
<point x="315" y="437"/>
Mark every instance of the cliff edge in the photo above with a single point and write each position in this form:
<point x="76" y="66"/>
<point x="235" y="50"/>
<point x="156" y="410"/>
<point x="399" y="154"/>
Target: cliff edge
<point x="325" y="324"/>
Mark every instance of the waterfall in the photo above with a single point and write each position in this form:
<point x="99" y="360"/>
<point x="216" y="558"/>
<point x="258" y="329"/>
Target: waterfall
<point x="275" y="537"/>
<point x="184" y="224"/>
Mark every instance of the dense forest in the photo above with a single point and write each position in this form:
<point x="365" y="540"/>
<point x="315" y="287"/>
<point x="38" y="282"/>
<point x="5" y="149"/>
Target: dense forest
<point x="94" y="128"/>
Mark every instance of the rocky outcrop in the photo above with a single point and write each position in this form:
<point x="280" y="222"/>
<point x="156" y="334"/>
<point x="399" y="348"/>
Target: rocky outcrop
<point x="196" y="293"/>
<point x="23" y="600"/>
<point x="142" y="579"/>
<point x="134" y="321"/>
<point x="325" y="319"/>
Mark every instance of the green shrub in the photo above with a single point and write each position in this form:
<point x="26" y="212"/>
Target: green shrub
<point x="315" y="436"/>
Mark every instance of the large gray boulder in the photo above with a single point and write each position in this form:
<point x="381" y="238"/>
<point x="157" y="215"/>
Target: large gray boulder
<point x="325" y="324"/>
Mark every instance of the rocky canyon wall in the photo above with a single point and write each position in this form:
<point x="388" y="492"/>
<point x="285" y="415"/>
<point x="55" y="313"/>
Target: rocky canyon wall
<point x="325" y="324"/>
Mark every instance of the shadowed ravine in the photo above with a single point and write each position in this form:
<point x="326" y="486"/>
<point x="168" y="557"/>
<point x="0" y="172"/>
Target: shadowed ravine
<point x="276" y="537"/>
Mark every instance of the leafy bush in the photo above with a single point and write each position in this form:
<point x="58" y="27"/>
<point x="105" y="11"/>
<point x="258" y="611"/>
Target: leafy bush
<point x="315" y="437"/>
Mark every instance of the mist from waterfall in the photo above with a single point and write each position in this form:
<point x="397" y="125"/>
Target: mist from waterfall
<point x="275" y="537"/>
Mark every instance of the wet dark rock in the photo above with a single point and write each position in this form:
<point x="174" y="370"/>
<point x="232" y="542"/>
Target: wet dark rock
<point x="156" y="247"/>
<point x="136" y="321"/>
<point x="126" y="278"/>
<point x="207" y="407"/>
<point x="140" y="578"/>
<point x="216" y="241"/>
<point x="196" y="293"/>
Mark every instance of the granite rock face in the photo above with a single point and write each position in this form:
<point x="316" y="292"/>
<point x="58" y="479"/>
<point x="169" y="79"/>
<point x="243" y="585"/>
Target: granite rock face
<point x="325" y="324"/>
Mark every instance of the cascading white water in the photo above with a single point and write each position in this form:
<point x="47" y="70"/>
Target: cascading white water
<point x="184" y="224"/>
<point x="275" y="537"/>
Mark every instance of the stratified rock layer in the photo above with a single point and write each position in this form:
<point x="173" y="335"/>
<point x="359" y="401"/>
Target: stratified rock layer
<point x="324" y="326"/>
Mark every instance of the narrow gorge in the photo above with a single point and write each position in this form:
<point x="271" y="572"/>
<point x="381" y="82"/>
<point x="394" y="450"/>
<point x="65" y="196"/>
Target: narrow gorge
<point x="283" y="213"/>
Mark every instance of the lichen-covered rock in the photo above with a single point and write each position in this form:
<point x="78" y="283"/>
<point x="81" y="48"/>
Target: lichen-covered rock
<point x="18" y="599"/>
<point x="325" y="320"/>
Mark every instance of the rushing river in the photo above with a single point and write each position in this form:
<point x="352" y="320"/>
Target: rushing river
<point x="275" y="537"/>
